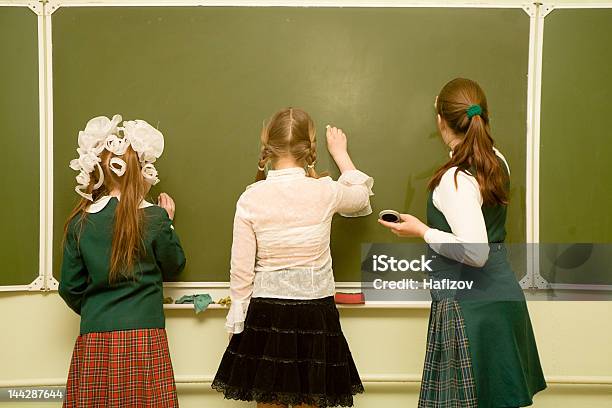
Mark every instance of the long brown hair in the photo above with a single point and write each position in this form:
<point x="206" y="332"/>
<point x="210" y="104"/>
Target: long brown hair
<point x="474" y="154"/>
<point x="127" y="245"/>
<point x="290" y="132"/>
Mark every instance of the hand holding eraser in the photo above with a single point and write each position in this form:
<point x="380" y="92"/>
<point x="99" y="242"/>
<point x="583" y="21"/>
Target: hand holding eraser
<point x="390" y="216"/>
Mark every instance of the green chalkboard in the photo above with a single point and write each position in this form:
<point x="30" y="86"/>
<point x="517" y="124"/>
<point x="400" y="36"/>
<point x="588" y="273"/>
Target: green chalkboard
<point x="209" y="77"/>
<point x="19" y="207"/>
<point x="576" y="143"/>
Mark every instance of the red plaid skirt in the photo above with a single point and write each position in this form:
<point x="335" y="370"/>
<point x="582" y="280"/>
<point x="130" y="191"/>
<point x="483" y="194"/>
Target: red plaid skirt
<point x="127" y="368"/>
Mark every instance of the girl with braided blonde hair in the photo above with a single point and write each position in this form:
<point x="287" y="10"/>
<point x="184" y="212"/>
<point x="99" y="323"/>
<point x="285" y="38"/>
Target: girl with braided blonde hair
<point x="286" y="344"/>
<point x="290" y="132"/>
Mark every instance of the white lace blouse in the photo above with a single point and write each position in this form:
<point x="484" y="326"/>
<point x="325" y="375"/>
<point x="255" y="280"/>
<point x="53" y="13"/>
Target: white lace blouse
<point x="281" y="238"/>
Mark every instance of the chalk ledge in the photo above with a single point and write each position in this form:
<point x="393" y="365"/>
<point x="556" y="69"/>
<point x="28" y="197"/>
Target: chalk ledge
<point x="367" y="305"/>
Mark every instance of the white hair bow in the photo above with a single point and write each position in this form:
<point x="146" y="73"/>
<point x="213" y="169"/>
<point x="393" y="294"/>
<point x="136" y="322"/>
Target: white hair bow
<point x="102" y="133"/>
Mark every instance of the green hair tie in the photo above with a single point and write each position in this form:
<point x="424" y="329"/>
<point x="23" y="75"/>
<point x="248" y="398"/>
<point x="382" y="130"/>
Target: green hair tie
<point x="473" y="110"/>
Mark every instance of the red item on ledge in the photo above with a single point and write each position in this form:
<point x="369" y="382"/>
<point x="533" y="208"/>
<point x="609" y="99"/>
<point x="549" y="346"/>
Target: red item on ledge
<point x="350" y="298"/>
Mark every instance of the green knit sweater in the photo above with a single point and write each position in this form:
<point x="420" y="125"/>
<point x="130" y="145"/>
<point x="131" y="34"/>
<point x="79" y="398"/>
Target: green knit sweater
<point x="131" y="303"/>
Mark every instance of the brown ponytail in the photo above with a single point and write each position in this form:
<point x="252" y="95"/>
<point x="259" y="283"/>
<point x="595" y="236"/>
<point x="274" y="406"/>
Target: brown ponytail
<point x="474" y="154"/>
<point x="127" y="245"/>
<point x="290" y="132"/>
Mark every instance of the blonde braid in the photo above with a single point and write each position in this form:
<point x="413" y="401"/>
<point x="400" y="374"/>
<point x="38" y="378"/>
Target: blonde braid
<point x="312" y="157"/>
<point x="264" y="156"/>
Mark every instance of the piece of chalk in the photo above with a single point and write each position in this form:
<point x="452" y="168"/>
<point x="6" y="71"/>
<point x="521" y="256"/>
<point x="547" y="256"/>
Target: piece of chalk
<point x="327" y="127"/>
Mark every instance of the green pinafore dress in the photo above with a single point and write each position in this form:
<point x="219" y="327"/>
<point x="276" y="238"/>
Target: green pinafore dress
<point x="481" y="351"/>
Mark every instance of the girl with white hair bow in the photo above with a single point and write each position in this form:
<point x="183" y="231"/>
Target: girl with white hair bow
<point x="118" y="248"/>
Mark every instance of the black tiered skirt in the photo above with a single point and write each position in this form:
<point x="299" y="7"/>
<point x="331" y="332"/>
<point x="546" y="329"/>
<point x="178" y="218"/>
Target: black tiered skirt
<point x="291" y="352"/>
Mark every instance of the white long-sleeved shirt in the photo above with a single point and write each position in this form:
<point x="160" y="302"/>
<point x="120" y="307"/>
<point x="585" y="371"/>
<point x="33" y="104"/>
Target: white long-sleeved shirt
<point x="281" y="236"/>
<point x="462" y="208"/>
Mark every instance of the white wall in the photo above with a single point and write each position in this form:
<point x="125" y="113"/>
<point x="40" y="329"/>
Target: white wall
<point x="574" y="338"/>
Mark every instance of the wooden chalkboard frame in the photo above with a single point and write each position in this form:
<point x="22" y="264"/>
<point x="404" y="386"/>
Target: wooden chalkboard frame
<point x="43" y="280"/>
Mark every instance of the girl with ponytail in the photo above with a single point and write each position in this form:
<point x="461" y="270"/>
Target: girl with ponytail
<point x="462" y="110"/>
<point x="117" y="249"/>
<point x="481" y="349"/>
<point x="286" y="344"/>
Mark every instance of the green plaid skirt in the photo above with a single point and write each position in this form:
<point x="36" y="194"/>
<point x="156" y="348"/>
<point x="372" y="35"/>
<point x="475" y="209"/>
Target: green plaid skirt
<point x="448" y="379"/>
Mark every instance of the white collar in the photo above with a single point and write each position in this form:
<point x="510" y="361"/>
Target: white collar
<point x="103" y="201"/>
<point x="291" y="171"/>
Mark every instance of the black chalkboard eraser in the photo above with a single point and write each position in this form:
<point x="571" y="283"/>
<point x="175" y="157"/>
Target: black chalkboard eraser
<point x="389" y="216"/>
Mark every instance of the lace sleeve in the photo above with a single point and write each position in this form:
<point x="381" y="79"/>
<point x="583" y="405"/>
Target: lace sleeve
<point x="354" y="189"/>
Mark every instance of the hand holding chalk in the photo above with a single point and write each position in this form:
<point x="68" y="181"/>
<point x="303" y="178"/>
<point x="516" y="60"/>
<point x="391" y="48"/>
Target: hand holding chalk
<point x="336" y="141"/>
